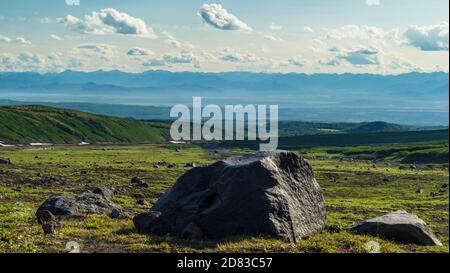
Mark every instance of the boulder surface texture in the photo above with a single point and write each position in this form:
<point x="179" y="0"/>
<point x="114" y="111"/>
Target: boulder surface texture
<point x="268" y="193"/>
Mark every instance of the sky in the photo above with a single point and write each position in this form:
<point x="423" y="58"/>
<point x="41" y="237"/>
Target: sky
<point x="301" y="36"/>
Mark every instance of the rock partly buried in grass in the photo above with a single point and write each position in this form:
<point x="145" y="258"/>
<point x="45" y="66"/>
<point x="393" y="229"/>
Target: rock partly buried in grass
<point x="399" y="226"/>
<point x="84" y="203"/>
<point x="267" y="193"/>
<point x="104" y="191"/>
<point x="5" y="161"/>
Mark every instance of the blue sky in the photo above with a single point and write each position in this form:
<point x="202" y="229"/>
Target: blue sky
<point x="328" y="36"/>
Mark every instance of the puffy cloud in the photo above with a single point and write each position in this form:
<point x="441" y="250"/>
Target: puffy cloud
<point x="373" y="2"/>
<point x="18" y="40"/>
<point x="103" y="49"/>
<point x="171" y="60"/>
<point x="108" y="21"/>
<point x="357" y="57"/>
<point x="27" y="61"/>
<point x="171" y="40"/>
<point x="428" y="38"/>
<point x="308" y="29"/>
<point x="361" y="57"/>
<point x="137" y="51"/>
<point x="356" y="32"/>
<point x="296" y="62"/>
<point x="218" y="17"/>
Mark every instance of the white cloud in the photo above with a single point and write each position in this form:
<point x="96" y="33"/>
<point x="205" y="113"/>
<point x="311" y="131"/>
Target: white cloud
<point x="274" y="26"/>
<point x="172" y="60"/>
<point x="296" y="62"/>
<point x="428" y="38"/>
<point x="271" y="38"/>
<point x="108" y="21"/>
<point x="171" y="40"/>
<point x="18" y="40"/>
<point x="353" y="56"/>
<point x="98" y="48"/>
<point x="137" y="51"/>
<point x="308" y="29"/>
<point x="218" y="17"/>
<point x="361" y="57"/>
<point x="27" y="61"/>
<point x="373" y="2"/>
<point x="56" y="37"/>
<point x="356" y="32"/>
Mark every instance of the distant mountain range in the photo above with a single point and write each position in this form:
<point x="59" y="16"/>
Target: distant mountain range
<point x="414" y="98"/>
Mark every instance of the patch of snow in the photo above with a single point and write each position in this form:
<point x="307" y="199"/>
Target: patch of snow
<point x="41" y="144"/>
<point x="5" y="145"/>
<point x="83" y="143"/>
<point x="177" y="142"/>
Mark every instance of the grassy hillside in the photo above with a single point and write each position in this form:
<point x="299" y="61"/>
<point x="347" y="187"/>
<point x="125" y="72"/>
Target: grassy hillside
<point x="378" y="127"/>
<point x="24" y="124"/>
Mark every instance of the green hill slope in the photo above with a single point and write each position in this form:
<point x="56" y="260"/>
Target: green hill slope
<point x="378" y="127"/>
<point x="24" y="124"/>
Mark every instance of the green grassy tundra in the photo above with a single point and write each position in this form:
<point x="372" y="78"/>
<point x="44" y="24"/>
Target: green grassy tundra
<point x="355" y="188"/>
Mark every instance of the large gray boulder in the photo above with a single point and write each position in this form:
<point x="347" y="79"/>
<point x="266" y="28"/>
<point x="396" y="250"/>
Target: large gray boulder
<point x="267" y="193"/>
<point x="84" y="203"/>
<point x="399" y="226"/>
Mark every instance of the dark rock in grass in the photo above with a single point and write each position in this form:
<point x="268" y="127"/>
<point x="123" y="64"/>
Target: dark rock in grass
<point x="267" y="193"/>
<point x="84" y="203"/>
<point x="155" y="166"/>
<point x="386" y="179"/>
<point x="51" y="227"/>
<point x="105" y="192"/>
<point x="190" y="165"/>
<point x="151" y="222"/>
<point x="142" y="202"/>
<point x="399" y="226"/>
<point x="419" y="191"/>
<point x="139" y="182"/>
<point x="433" y="194"/>
<point x="118" y="214"/>
<point x="136" y="180"/>
<point x="44" y="216"/>
<point x="172" y="165"/>
<point x="5" y="161"/>
<point x="334" y="229"/>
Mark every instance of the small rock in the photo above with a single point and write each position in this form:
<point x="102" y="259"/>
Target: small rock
<point x="386" y="179"/>
<point x="105" y="192"/>
<point x="142" y="202"/>
<point x="399" y="226"/>
<point x="155" y="166"/>
<point x="172" y="165"/>
<point x="73" y="247"/>
<point x="413" y="167"/>
<point x="48" y="228"/>
<point x="117" y="214"/>
<point x="190" y="165"/>
<point x="419" y="191"/>
<point x="137" y="180"/>
<point x="334" y="229"/>
<point x="5" y="161"/>
<point x="84" y="203"/>
<point x="44" y="216"/>
<point x="433" y="194"/>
